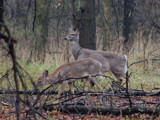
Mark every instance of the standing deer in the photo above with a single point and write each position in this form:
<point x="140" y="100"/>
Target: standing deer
<point x="114" y="62"/>
<point x="77" y="69"/>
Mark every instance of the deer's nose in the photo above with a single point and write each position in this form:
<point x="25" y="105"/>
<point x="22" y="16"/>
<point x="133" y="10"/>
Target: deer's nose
<point x="65" y="38"/>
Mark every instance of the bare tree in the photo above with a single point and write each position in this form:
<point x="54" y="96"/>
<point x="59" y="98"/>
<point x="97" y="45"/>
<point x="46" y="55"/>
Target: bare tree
<point x="84" y="18"/>
<point x="1" y="11"/>
<point x="127" y="23"/>
<point x="106" y="21"/>
<point x="41" y="28"/>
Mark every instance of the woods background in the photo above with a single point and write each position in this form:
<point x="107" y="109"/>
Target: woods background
<point x="41" y="25"/>
<point x="38" y="27"/>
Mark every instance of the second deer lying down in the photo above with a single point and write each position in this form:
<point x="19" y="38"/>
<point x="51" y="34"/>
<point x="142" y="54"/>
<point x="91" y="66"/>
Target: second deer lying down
<point x="111" y="62"/>
<point x="77" y="69"/>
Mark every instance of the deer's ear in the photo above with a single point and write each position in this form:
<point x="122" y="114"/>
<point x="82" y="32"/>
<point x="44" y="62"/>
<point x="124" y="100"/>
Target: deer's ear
<point x="70" y="30"/>
<point x="77" y="30"/>
<point x="45" y="73"/>
<point x="59" y="74"/>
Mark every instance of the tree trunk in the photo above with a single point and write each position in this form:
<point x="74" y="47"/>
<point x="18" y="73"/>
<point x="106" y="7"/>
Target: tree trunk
<point x="84" y="18"/>
<point x="1" y="11"/>
<point x="127" y="24"/>
<point x="41" y="29"/>
<point x="106" y="44"/>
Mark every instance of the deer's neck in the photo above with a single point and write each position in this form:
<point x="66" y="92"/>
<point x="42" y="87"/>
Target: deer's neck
<point x="52" y="78"/>
<point x="75" y="48"/>
<point x="49" y="80"/>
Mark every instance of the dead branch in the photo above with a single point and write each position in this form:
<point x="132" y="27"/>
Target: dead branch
<point x="141" y="61"/>
<point x="79" y="109"/>
<point x="94" y="93"/>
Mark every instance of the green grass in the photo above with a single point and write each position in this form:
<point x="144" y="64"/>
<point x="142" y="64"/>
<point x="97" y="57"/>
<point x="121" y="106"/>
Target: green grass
<point x="141" y="78"/>
<point x="147" y="78"/>
<point x="34" y="69"/>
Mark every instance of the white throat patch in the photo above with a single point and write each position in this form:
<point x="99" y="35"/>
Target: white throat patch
<point x="73" y="42"/>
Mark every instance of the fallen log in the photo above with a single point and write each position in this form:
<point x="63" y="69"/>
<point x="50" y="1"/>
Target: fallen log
<point x="79" y="109"/>
<point x="94" y="93"/>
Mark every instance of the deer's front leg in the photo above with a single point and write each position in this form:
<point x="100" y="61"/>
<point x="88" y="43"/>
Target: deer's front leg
<point x="71" y="87"/>
<point x="64" y="83"/>
<point x="72" y="90"/>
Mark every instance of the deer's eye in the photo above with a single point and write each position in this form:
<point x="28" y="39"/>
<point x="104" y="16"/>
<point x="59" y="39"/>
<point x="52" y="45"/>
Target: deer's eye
<point x="72" y="34"/>
<point x="40" y="82"/>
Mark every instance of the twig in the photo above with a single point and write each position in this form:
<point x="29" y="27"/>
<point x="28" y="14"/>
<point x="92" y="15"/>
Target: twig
<point x="127" y="79"/>
<point x="137" y="62"/>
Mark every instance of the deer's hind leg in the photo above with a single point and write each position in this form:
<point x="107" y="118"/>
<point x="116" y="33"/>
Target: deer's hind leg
<point x="93" y="81"/>
<point x="91" y="84"/>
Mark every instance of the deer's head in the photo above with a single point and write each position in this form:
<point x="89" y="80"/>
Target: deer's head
<point x="73" y="35"/>
<point x="42" y="79"/>
<point x="45" y="78"/>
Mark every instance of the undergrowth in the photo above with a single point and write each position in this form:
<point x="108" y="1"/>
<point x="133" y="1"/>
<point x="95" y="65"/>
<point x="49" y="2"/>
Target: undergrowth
<point x="142" y="76"/>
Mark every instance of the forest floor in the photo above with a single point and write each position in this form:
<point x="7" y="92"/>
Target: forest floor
<point x="7" y="112"/>
<point x="142" y="79"/>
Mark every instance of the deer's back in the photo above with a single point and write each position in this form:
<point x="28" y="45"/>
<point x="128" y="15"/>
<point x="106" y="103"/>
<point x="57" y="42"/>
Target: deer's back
<point x="110" y="61"/>
<point x="80" y="68"/>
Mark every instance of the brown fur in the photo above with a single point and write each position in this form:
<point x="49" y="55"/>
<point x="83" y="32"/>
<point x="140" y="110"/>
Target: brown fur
<point x="77" y="69"/>
<point x="111" y="62"/>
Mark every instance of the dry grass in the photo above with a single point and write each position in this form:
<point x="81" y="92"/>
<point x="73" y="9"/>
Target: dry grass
<point x="143" y="74"/>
